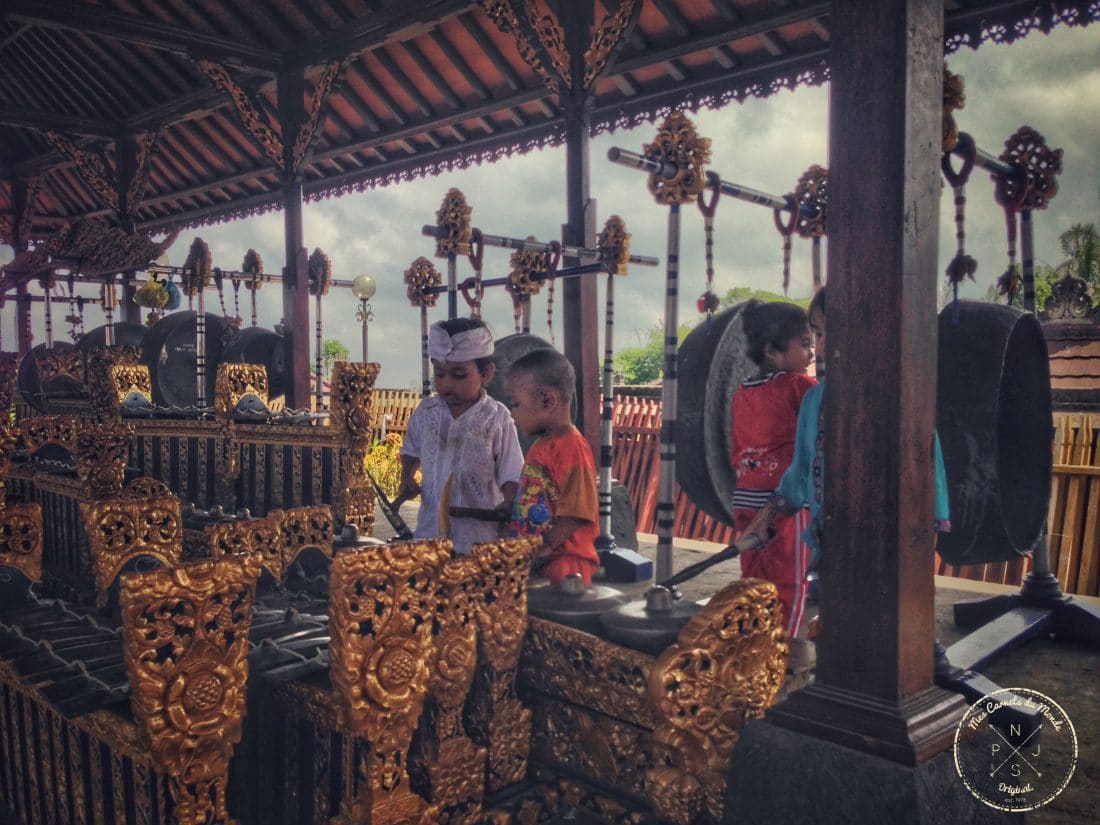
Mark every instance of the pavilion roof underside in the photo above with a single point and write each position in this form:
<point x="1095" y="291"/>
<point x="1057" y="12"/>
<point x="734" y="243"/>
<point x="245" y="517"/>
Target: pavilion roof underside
<point x="416" y="87"/>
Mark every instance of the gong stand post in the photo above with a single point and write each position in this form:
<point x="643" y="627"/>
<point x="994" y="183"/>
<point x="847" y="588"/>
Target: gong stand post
<point x="425" y="380"/>
<point x="452" y="287"/>
<point x="528" y="245"/>
<point x="319" y="362"/>
<point x="606" y="539"/>
<point x="109" y="311"/>
<point x="200" y="353"/>
<point x="666" y="485"/>
<point x="568" y="272"/>
<point x="46" y="287"/>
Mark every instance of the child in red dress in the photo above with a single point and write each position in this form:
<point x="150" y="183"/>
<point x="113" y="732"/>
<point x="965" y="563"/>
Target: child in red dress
<point x="557" y="492"/>
<point x="765" y="414"/>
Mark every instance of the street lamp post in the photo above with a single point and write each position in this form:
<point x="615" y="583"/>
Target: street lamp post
<point x="363" y="287"/>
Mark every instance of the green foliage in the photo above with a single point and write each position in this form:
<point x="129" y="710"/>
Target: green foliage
<point x="1045" y="277"/>
<point x="645" y="364"/>
<point x="331" y="352"/>
<point x="744" y="293"/>
<point x="1081" y="246"/>
<point x="384" y="463"/>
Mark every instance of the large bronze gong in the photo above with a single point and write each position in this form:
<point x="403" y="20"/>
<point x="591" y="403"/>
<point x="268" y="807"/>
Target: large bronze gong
<point x="170" y="353"/>
<point x="52" y="379"/>
<point x="129" y="336"/>
<point x="256" y="345"/>
<point x="994" y="421"/>
<point x="713" y="362"/>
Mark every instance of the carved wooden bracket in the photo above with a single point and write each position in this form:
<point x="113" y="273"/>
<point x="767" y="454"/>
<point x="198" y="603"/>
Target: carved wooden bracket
<point x="382" y="606"/>
<point x="91" y="168"/>
<point x="123" y="529"/>
<point x="135" y="191"/>
<point x="251" y="117"/>
<point x="541" y="43"/>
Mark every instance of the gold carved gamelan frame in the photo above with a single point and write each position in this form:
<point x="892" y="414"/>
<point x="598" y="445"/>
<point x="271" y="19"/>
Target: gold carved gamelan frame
<point x="185" y="634"/>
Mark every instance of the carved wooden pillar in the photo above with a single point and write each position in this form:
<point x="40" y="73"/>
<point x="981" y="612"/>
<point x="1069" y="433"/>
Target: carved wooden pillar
<point x="875" y="686"/>
<point x="127" y="150"/>
<point x="296" y="272"/>
<point x="580" y="299"/>
<point x="20" y="225"/>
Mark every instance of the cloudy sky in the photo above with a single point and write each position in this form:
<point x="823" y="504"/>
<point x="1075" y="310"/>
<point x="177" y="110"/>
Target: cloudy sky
<point x="1051" y="83"/>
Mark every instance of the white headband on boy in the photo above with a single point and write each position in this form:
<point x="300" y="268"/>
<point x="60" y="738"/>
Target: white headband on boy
<point x="462" y="346"/>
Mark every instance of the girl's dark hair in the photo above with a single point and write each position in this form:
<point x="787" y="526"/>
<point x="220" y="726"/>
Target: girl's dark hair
<point x="453" y="326"/>
<point x="773" y="323"/>
<point x="817" y="303"/>
<point x="548" y="368"/>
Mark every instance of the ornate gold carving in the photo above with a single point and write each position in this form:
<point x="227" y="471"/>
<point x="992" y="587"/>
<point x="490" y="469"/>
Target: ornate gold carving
<point x="21" y="539"/>
<point x="99" y="249"/>
<point x="1069" y="299"/>
<point x="352" y="384"/>
<point x="449" y="768"/>
<point x="602" y="749"/>
<point x="197" y="268"/>
<point x="316" y="107"/>
<point x="102" y="449"/>
<point x="679" y="144"/>
<point x="727" y="665"/>
<point x="146" y="487"/>
<point x="57" y="362"/>
<point x="320" y="273"/>
<point x="113" y="373"/>
<point x="9" y="437"/>
<point x="91" y="168"/>
<point x="419" y="277"/>
<point x="235" y="381"/>
<point x="146" y="144"/>
<point x="1027" y="150"/>
<point x="258" y="536"/>
<point x="247" y="111"/>
<point x="253" y="265"/>
<point x="609" y="37"/>
<point x="120" y="530"/>
<point x="382" y="602"/>
<point x="453" y="219"/>
<point x="811" y="198"/>
<point x="954" y="97"/>
<point x="498" y="719"/>
<point x="303" y="528"/>
<point x="584" y="670"/>
<point x="503" y="15"/>
<point x="39" y="431"/>
<point x="528" y="272"/>
<point x="185" y="637"/>
<point x="613" y="244"/>
<point x="9" y="369"/>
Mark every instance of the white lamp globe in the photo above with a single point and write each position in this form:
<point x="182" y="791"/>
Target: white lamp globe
<point x="363" y="287"/>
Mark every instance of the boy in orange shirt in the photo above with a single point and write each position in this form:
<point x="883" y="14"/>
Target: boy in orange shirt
<point x="557" y="493"/>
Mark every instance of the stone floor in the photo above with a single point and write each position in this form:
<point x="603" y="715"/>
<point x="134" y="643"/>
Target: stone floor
<point x="1068" y="673"/>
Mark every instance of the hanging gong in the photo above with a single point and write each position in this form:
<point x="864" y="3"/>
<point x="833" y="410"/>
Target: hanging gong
<point x="994" y="419"/>
<point x="64" y="375"/>
<point x="713" y="362"/>
<point x="256" y="345"/>
<point x="170" y="354"/>
<point x="127" y="335"/>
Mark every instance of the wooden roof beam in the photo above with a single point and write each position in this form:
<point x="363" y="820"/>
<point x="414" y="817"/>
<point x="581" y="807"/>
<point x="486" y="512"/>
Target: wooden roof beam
<point x="132" y="28"/>
<point x="720" y="35"/>
<point x="637" y="40"/>
<point x="491" y="51"/>
<point x="772" y="44"/>
<point x="397" y="21"/>
<point x="672" y="14"/>
<point x="49" y="121"/>
<point x="402" y="80"/>
<point x="457" y="60"/>
<point x="724" y="57"/>
<point x="378" y="91"/>
<point x="430" y="72"/>
<point x="820" y="29"/>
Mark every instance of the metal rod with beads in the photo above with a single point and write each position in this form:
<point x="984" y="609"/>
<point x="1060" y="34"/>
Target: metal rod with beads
<point x="47" y="286"/>
<point x="675" y="162"/>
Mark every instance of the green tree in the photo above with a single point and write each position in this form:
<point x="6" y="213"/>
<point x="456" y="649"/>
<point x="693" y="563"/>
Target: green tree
<point x="645" y="364"/>
<point x="1081" y="246"/>
<point x="331" y="352"/>
<point x="1045" y="277"/>
<point x="744" y="293"/>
